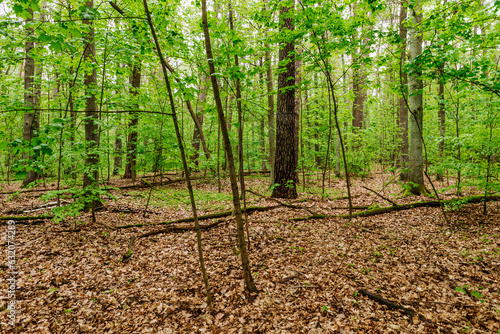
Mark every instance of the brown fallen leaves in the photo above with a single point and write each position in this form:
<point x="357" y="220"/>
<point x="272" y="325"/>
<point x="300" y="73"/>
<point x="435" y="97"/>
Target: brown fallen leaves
<point x="308" y="272"/>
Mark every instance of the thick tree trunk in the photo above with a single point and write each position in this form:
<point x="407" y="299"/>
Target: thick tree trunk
<point x="358" y="87"/>
<point x="31" y="119"/>
<point x="245" y="263"/>
<point x="199" y="116"/>
<point x="135" y="81"/>
<point x="403" y="98"/>
<point x="91" y="175"/>
<point x="415" y="87"/>
<point x="285" y="166"/>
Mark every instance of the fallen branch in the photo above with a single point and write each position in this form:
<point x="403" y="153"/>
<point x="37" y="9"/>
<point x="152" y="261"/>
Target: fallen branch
<point x="377" y="211"/>
<point x="344" y="197"/>
<point x="23" y="218"/>
<point x="379" y="195"/>
<point x="170" y="229"/>
<point x="391" y="304"/>
<point x="148" y="184"/>
<point x="63" y="231"/>
<point x="209" y="216"/>
<point x="25" y="191"/>
<point x="401" y="207"/>
<point x="291" y="206"/>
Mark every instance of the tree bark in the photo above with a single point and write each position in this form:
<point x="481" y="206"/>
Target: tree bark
<point x="415" y="88"/>
<point x="270" y="107"/>
<point x="442" y="123"/>
<point x="208" y="288"/>
<point x="245" y="263"/>
<point x="358" y="86"/>
<point x="118" y="150"/>
<point x="91" y="175"/>
<point x="285" y="166"/>
<point x="298" y="65"/>
<point x="31" y="119"/>
<point x="403" y="98"/>
<point x="199" y="116"/>
<point x="130" y="167"/>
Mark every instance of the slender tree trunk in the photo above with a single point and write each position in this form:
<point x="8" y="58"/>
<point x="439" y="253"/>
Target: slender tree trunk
<point x="442" y="123"/>
<point x="31" y="119"/>
<point x="91" y="176"/>
<point x="285" y="166"/>
<point x="199" y="115"/>
<point x="403" y="98"/>
<point x="358" y="85"/>
<point x="442" y="114"/>
<point x="270" y="107"/>
<point x="247" y="274"/>
<point x="206" y="282"/>
<point x="118" y="151"/>
<point x="240" y="129"/>
<point x="415" y="87"/>
<point x="298" y="65"/>
<point x="130" y="167"/>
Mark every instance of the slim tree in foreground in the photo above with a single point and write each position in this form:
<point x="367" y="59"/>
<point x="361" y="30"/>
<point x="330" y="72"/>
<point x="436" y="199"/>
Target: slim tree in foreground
<point x="403" y="99"/>
<point x="245" y="263"/>
<point x="208" y="288"/>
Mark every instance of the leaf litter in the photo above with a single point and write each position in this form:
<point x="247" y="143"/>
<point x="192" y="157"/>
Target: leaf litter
<point x="309" y="273"/>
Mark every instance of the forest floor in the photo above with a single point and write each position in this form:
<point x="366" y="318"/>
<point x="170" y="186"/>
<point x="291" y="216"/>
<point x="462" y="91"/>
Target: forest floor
<point x="309" y="273"/>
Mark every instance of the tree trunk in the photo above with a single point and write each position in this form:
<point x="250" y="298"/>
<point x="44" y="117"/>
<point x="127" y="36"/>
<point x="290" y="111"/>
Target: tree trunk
<point x="298" y="64"/>
<point x="270" y="107"/>
<point x="199" y="115"/>
<point x="403" y="98"/>
<point x="135" y="81"/>
<point x="245" y="263"/>
<point x="208" y="288"/>
<point x="415" y="87"/>
<point x="31" y="122"/>
<point x="285" y="166"/>
<point x="442" y="123"/>
<point x="91" y="175"/>
<point x="358" y="85"/>
<point x="118" y="151"/>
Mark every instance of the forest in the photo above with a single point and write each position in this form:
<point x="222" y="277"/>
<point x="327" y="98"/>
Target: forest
<point x="260" y="166"/>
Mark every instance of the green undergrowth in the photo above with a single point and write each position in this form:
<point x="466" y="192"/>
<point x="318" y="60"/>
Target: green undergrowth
<point x="173" y="198"/>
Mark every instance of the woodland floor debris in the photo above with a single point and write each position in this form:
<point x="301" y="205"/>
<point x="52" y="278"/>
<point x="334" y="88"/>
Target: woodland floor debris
<point x="77" y="282"/>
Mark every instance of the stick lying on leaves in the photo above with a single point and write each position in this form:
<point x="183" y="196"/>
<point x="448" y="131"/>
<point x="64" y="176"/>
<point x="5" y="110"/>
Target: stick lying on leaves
<point x="379" y="195"/>
<point x="209" y="216"/>
<point x="23" y="219"/>
<point x="170" y="229"/>
<point x="390" y="304"/>
<point x="291" y="206"/>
